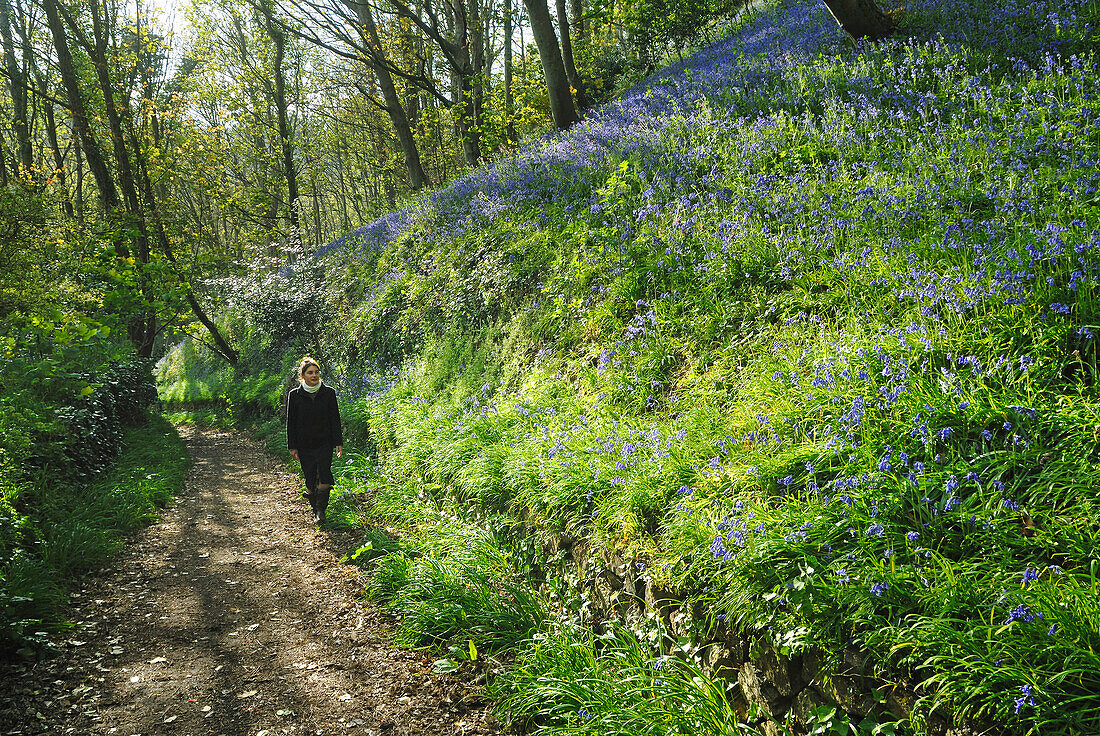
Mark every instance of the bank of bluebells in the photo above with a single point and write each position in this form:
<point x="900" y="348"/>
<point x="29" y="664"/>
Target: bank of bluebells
<point x="828" y="344"/>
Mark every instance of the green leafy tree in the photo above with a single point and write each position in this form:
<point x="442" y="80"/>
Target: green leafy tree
<point x="658" y="26"/>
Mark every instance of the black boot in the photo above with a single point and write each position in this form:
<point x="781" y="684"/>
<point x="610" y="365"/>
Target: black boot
<point x="319" y="502"/>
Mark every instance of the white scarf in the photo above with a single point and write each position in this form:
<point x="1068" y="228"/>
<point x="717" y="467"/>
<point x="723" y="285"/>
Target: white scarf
<point x="312" y="389"/>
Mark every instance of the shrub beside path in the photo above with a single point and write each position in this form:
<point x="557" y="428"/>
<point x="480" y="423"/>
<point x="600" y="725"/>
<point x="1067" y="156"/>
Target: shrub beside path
<point x="232" y="616"/>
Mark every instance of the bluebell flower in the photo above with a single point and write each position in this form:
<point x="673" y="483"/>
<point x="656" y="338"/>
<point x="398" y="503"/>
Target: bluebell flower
<point x="878" y="589"/>
<point x="1022" y="613"/>
<point x="1025" y="699"/>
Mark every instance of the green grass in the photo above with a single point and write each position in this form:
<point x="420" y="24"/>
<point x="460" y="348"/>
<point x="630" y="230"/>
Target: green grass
<point x="78" y="529"/>
<point x="819" y="360"/>
<point x="567" y="681"/>
<point x="450" y="582"/>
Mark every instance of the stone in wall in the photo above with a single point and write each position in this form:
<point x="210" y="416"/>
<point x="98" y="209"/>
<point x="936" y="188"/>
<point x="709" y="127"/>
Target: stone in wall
<point x="759" y="676"/>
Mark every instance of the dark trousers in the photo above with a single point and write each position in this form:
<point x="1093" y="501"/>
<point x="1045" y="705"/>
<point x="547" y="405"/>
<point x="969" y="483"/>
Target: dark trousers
<point x="317" y="469"/>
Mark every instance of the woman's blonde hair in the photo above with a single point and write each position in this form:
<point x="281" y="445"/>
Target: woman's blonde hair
<point x="304" y="363"/>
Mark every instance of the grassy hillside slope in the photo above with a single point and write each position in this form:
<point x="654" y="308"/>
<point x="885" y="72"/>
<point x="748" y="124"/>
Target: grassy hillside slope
<point x="799" y="333"/>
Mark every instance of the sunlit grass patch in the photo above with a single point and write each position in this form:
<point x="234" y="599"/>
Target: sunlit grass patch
<point x="566" y="681"/>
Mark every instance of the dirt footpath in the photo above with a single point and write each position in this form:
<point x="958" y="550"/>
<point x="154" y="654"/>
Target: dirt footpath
<point x="232" y="617"/>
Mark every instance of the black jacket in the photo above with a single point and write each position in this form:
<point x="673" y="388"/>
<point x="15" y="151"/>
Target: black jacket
<point x="312" y="420"/>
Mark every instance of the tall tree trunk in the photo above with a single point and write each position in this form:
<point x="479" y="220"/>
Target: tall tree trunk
<point x="341" y="190"/>
<point x="553" y="68"/>
<point x="4" y="177"/>
<point x="55" y="149"/>
<point x="78" y="194"/>
<point x="412" y="103"/>
<point x="320" y="229"/>
<point x="860" y="18"/>
<point x="88" y="145"/>
<point x="143" y="328"/>
<point x="466" y="114"/>
<point x="477" y="62"/>
<point x="567" y="57"/>
<point x="286" y="144"/>
<point x="124" y="170"/>
<point x="509" y="102"/>
<point x="467" y="124"/>
<point x="16" y="74"/>
<point x="394" y="109"/>
<point x="580" y="28"/>
<point x="221" y="345"/>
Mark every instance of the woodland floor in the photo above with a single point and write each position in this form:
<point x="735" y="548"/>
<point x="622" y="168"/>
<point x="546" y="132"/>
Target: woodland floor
<point x="232" y="616"/>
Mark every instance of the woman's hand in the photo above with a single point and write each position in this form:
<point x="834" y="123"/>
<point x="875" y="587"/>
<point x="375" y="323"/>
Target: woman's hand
<point x="339" y="451"/>
<point x="294" y="454"/>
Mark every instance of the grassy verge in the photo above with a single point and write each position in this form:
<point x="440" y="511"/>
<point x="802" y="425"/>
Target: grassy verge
<point x="68" y="530"/>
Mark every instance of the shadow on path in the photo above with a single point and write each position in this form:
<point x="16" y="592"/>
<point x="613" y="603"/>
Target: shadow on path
<point x="233" y="617"/>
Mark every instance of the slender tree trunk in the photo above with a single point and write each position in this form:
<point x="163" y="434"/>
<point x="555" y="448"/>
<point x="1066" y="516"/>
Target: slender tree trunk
<point x="16" y="74"/>
<point x="341" y="190"/>
<point x="553" y="68"/>
<point x="567" y="56"/>
<point x="221" y="345"/>
<point x="466" y="114"/>
<point x="860" y="18"/>
<point x="4" y="177"/>
<point x="412" y="104"/>
<point x="509" y="102"/>
<point x="394" y="109"/>
<point x="55" y="149"/>
<point x="437" y="120"/>
<point x="78" y="194"/>
<point x="477" y="62"/>
<point x="580" y="28"/>
<point x="124" y="170"/>
<point x="143" y="328"/>
<point x="223" y="348"/>
<point x="317" y="229"/>
<point x="88" y="146"/>
<point x="286" y="143"/>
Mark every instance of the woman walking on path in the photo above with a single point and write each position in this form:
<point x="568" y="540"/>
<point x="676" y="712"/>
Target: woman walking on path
<point x="313" y="433"/>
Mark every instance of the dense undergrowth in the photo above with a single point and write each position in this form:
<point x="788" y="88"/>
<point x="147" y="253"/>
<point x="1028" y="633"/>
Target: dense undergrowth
<point x="74" y="412"/>
<point x="54" y="529"/>
<point x="804" y="332"/>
